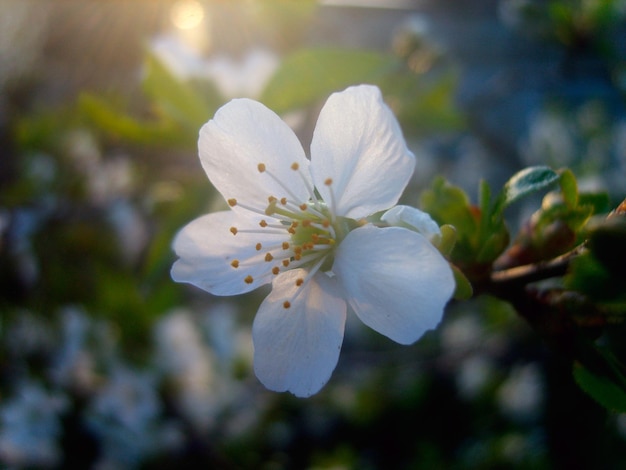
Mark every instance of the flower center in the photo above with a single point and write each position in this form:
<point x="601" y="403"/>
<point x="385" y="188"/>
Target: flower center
<point x="309" y="231"/>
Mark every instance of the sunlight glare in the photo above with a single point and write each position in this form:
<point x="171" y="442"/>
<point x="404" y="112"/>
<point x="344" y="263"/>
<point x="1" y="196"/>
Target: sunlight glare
<point x="187" y="14"/>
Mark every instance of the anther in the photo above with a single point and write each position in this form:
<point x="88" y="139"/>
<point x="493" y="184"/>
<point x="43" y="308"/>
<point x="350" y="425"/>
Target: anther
<point x="285" y="262"/>
<point x="299" y="281"/>
<point x="295" y="166"/>
<point x="233" y="230"/>
<point x="268" y="257"/>
<point x="326" y="223"/>
<point x="249" y="279"/>
<point x="306" y="223"/>
<point x="232" y="202"/>
<point x="328" y="181"/>
<point x="234" y="263"/>
<point x="275" y="270"/>
<point x="258" y="247"/>
<point x="283" y="201"/>
<point x="261" y="167"/>
<point x="285" y="245"/>
<point x="303" y="207"/>
<point x="263" y="223"/>
<point x="291" y="230"/>
<point x="286" y="304"/>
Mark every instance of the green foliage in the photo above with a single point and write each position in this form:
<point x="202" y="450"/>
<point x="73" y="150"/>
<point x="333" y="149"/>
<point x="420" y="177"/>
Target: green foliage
<point x="117" y="123"/>
<point x="522" y="184"/>
<point x="557" y="226"/>
<point x="422" y="101"/>
<point x="310" y="75"/>
<point x="482" y="235"/>
<point x="176" y="99"/>
<point x="600" y="387"/>
<point x="600" y="273"/>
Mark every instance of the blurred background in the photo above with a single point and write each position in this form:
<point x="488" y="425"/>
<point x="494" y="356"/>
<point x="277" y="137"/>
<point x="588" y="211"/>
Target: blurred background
<point x="105" y="363"/>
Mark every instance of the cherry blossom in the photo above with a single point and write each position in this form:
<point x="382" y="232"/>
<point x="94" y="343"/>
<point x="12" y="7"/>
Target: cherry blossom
<point x="312" y="228"/>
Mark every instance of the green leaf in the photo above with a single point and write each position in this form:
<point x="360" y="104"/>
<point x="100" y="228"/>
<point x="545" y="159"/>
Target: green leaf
<point x="494" y="244"/>
<point x="569" y="188"/>
<point x="178" y="100"/>
<point x="119" y="125"/>
<point x="448" y="239"/>
<point x="601" y="388"/>
<point x="312" y="74"/>
<point x="449" y="204"/>
<point x="424" y="103"/>
<point x="522" y="184"/>
<point x="600" y="202"/>
<point x="464" y="288"/>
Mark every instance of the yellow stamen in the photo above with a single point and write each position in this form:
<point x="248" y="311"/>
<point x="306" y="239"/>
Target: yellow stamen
<point x="249" y="279"/>
<point x="258" y="247"/>
<point x="261" y="167"/>
<point x="328" y="181"/>
<point x="299" y="281"/>
<point x="233" y="230"/>
<point x="295" y="166"/>
<point x="275" y="270"/>
<point x="232" y="202"/>
<point x="286" y="304"/>
<point x="268" y="257"/>
<point x="234" y="263"/>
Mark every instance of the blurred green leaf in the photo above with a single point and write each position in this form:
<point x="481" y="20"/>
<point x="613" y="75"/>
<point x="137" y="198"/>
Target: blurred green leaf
<point x="309" y="75"/>
<point x="522" y="184"/>
<point x="448" y="239"/>
<point x="604" y="390"/>
<point x="121" y="126"/>
<point x="599" y="202"/>
<point x="463" y="290"/>
<point x="569" y="187"/>
<point x="178" y="100"/>
<point x="423" y="103"/>
<point x="449" y="204"/>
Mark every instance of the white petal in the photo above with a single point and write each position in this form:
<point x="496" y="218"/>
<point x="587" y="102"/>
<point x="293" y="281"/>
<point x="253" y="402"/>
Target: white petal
<point x="242" y="135"/>
<point x="415" y="219"/>
<point x="395" y="280"/>
<point x="359" y="145"/>
<point x="207" y="248"/>
<point x="297" y="348"/>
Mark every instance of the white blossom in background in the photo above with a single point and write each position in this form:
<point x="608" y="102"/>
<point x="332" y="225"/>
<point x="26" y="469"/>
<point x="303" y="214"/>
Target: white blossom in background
<point x="306" y="227"/>
<point x="244" y="76"/>
<point x="181" y="59"/>
<point x="521" y="394"/>
<point x="189" y="365"/>
<point x="124" y="414"/>
<point x="30" y="426"/>
<point x="73" y="364"/>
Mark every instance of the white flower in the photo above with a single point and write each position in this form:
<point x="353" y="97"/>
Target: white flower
<point x="244" y="77"/>
<point x="303" y="226"/>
